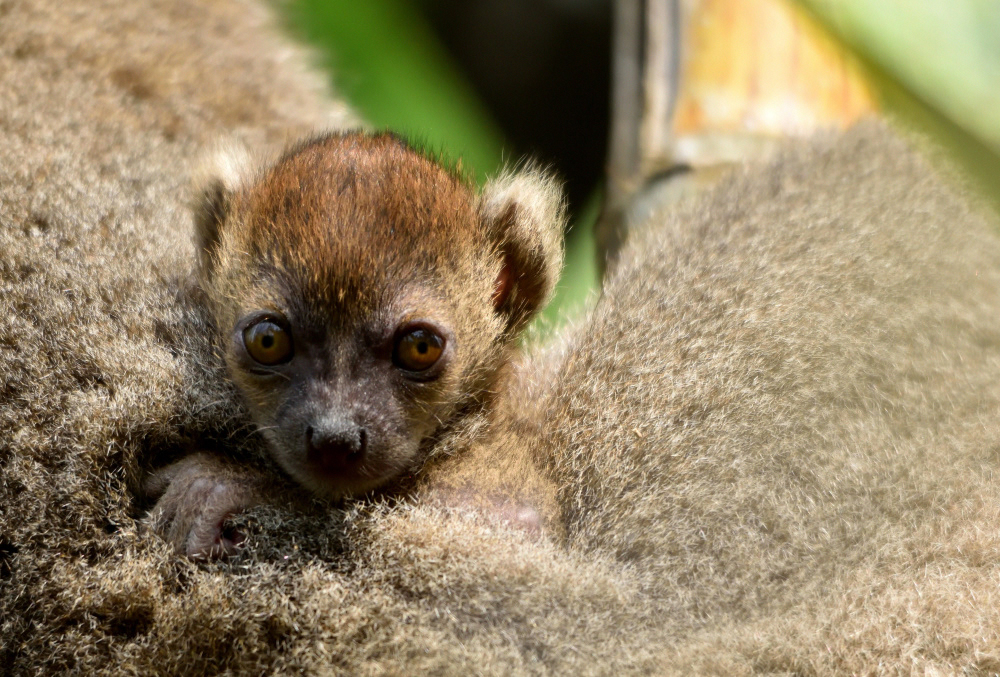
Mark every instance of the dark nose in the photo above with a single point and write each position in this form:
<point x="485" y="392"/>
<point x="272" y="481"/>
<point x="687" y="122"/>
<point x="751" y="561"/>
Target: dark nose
<point x="336" y="448"/>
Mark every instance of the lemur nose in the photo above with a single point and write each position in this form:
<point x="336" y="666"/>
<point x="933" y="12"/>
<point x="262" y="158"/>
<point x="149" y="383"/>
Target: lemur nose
<point x="336" y="448"/>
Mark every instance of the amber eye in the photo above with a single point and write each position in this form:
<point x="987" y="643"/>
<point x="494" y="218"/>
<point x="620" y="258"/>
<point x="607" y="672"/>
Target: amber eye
<point x="268" y="343"/>
<point x="418" y="350"/>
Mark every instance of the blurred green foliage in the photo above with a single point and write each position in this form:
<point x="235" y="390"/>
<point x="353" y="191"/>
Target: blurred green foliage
<point x="946" y="52"/>
<point x="387" y="62"/>
<point x="936" y="65"/>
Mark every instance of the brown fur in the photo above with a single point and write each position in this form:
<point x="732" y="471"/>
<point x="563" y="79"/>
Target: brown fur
<point x="773" y="440"/>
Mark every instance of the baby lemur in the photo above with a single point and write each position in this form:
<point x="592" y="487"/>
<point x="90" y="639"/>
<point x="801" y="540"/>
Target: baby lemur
<point x="365" y="299"/>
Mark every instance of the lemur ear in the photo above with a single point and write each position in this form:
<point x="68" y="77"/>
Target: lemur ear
<point x="525" y="215"/>
<point x="225" y="172"/>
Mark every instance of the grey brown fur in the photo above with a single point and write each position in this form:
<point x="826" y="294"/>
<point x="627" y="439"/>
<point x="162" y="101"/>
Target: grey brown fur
<point x="772" y="444"/>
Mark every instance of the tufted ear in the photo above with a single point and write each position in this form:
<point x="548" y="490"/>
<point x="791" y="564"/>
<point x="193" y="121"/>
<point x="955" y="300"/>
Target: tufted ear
<point x="225" y="172"/>
<point x="525" y="216"/>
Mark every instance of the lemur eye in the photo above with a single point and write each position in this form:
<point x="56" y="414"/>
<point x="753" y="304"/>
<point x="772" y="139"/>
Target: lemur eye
<point x="267" y="342"/>
<point x="418" y="349"/>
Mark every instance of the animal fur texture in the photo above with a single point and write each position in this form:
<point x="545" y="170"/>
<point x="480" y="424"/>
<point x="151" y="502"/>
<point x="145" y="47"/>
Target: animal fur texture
<point x="771" y="447"/>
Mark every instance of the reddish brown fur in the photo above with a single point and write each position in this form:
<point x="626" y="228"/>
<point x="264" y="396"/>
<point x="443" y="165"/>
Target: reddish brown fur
<point x="356" y="216"/>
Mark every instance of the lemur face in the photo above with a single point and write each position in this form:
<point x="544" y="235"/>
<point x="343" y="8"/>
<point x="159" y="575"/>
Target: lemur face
<point x="364" y="296"/>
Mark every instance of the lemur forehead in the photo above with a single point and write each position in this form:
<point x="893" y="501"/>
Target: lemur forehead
<point x="368" y="195"/>
<point x="351" y="218"/>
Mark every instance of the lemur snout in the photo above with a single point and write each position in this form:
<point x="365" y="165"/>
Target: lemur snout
<point x="335" y="447"/>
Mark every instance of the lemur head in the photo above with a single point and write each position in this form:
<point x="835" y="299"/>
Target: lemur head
<point x="366" y="295"/>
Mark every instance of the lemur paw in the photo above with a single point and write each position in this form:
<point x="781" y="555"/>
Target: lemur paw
<point x="197" y="497"/>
